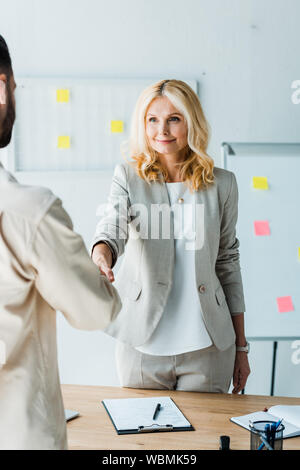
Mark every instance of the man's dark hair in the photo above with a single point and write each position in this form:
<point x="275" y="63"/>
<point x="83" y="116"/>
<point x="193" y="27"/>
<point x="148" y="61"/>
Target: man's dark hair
<point x="5" y="60"/>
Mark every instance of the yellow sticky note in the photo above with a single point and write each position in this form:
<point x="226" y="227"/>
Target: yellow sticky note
<point x="62" y="96"/>
<point x="116" y="126"/>
<point x="260" y="182"/>
<point x="299" y="253"/>
<point x="63" y="142"/>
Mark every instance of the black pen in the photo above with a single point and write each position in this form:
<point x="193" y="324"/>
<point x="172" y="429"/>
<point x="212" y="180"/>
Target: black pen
<point x="156" y="410"/>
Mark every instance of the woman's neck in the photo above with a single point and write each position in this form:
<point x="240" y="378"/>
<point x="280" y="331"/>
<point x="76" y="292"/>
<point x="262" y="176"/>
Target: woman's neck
<point x="169" y="162"/>
<point x="174" y="179"/>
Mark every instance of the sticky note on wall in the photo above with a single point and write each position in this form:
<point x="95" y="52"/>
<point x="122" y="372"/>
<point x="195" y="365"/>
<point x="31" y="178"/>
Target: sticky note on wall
<point x="285" y="304"/>
<point x="261" y="227"/>
<point x="116" y="127"/>
<point x="62" y="96"/>
<point x="260" y="182"/>
<point x="63" y="142"/>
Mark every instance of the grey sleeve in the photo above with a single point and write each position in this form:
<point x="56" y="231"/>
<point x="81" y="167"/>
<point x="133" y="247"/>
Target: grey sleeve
<point x="113" y="226"/>
<point x="228" y="261"/>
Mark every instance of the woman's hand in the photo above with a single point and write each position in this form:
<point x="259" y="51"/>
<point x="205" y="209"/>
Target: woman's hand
<point x="102" y="257"/>
<point x="241" y="371"/>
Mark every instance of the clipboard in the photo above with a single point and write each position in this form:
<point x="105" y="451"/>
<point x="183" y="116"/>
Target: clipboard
<point x="135" y="415"/>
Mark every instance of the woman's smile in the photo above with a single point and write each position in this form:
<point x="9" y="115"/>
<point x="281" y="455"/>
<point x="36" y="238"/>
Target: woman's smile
<point x="165" y="141"/>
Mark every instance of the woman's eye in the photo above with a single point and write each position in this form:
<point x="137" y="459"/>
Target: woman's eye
<point x="174" y="118"/>
<point x="152" y="119"/>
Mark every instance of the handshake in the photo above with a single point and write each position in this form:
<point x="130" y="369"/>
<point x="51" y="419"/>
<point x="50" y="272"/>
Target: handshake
<point x="102" y="257"/>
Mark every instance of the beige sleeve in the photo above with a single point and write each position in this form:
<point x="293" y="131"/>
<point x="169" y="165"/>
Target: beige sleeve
<point x="67" y="278"/>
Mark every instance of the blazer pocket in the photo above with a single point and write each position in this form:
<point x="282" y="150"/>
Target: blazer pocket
<point x="133" y="290"/>
<point x="220" y="296"/>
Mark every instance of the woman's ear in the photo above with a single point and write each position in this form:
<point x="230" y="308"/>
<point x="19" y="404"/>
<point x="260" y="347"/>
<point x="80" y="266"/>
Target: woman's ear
<point x="2" y="91"/>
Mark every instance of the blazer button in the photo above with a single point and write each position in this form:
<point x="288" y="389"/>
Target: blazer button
<point x="202" y="288"/>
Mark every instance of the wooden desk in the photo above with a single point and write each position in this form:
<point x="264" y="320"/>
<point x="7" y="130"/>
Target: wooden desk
<point x="208" y="413"/>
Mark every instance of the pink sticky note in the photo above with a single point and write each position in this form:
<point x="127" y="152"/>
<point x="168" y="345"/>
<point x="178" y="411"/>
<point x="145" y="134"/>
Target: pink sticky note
<point x="285" y="304"/>
<point x="261" y="227"/>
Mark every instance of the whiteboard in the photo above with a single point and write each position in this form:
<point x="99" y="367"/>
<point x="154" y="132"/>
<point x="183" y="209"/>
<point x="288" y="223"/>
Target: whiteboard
<point x="85" y="119"/>
<point x="270" y="263"/>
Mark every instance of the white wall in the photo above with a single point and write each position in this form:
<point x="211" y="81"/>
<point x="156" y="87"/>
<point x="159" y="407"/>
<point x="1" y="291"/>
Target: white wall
<point x="242" y="52"/>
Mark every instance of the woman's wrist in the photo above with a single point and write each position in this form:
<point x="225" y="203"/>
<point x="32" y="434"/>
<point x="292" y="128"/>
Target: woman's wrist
<point x="241" y="341"/>
<point x="238" y="325"/>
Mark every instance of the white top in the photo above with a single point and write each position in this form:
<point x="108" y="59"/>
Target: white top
<point x="181" y="328"/>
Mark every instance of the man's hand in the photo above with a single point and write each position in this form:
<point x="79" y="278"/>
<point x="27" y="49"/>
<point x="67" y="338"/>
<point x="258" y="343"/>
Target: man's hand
<point x="102" y="257"/>
<point x="241" y="371"/>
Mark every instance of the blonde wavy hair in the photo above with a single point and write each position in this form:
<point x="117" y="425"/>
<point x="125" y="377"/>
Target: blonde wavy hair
<point x="197" y="168"/>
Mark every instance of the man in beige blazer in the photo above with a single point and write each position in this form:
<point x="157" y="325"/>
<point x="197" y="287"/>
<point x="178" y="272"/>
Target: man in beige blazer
<point x="44" y="267"/>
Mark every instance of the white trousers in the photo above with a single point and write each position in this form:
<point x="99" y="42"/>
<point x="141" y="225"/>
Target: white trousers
<point x="204" y="370"/>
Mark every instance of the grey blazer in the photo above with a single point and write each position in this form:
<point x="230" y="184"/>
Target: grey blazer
<point x="145" y="276"/>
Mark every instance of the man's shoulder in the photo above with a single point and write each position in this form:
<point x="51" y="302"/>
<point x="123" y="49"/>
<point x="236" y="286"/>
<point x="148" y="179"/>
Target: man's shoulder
<point x="29" y="202"/>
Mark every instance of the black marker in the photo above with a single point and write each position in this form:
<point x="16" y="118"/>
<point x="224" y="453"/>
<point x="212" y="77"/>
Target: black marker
<point x="156" y="410"/>
<point x="224" y="443"/>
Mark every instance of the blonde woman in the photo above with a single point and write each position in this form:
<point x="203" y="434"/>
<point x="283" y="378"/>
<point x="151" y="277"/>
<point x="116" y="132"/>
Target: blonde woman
<point x="174" y="216"/>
